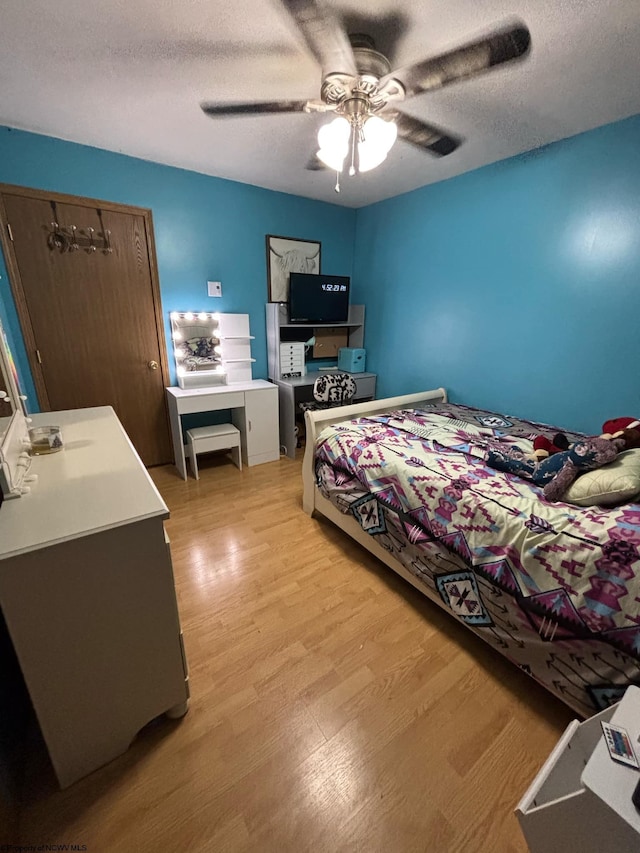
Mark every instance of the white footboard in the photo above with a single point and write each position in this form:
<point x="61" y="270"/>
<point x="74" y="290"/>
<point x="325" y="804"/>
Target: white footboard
<point x="316" y="421"/>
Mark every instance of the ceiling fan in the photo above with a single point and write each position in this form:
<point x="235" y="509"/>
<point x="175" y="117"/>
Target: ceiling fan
<point x="359" y="87"/>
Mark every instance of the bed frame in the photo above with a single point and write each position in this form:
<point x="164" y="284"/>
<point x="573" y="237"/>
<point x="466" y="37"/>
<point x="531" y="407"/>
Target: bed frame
<point x="314" y="502"/>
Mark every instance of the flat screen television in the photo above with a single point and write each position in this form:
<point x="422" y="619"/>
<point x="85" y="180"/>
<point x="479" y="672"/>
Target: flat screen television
<point x="318" y="298"/>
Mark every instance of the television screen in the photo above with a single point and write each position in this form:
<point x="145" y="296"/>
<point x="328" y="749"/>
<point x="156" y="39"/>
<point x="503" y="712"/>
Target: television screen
<point x="318" y="298"/>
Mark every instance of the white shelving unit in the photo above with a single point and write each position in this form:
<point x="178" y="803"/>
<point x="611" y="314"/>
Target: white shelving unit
<point x="278" y="320"/>
<point x="581" y="799"/>
<point x="235" y="343"/>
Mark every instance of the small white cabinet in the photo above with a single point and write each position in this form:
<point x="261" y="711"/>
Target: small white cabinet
<point x="258" y="425"/>
<point x="581" y="799"/>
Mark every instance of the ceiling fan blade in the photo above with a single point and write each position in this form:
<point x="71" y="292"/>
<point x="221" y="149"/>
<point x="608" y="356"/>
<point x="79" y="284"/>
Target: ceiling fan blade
<point x="324" y="34"/>
<point x="467" y="61"/>
<point x="427" y="137"/>
<point x="260" y="108"/>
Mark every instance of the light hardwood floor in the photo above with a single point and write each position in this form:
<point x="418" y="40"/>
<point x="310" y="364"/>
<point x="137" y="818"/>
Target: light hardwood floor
<point x="333" y="707"/>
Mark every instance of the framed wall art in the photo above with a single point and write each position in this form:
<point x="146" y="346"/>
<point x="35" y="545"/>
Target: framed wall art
<point x="286" y="255"/>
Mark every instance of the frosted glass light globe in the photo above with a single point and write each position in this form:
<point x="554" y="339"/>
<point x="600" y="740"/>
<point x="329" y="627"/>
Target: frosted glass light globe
<point x="379" y="136"/>
<point x="333" y="139"/>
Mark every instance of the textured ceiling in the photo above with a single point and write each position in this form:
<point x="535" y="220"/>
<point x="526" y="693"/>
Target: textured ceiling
<point x="128" y="75"/>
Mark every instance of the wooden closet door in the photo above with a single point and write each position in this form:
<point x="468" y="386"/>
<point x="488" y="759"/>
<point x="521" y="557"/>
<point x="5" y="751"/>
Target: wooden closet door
<point x="93" y="317"/>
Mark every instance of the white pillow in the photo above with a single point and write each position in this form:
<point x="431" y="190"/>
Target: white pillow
<point x="615" y="483"/>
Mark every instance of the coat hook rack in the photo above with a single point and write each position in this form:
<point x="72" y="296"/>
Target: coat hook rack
<point x="71" y="238"/>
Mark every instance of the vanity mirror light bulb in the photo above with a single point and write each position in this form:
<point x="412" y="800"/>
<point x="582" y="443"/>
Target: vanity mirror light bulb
<point x="202" y="316"/>
<point x="216" y="317"/>
<point x="177" y="336"/>
<point x="174" y="315"/>
<point x="217" y="349"/>
<point x="188" y="316"/>
<point x="181" y="371"/>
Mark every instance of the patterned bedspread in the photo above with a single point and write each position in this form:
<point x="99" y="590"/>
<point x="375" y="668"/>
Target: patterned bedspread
<point x="554" y="587"/>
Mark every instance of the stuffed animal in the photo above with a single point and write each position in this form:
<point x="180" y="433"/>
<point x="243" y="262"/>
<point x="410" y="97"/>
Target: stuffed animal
<point x="543" y="446"/>
<point x="557" y="473"/>
<point x="512" y="460"/>
<point x="627" y="429"/>
<point x="631" y="437"/>
<point x="614" y="427"/>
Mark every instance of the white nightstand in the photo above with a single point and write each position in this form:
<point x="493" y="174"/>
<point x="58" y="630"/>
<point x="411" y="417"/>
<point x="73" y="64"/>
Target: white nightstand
<point x="581" y="799"/>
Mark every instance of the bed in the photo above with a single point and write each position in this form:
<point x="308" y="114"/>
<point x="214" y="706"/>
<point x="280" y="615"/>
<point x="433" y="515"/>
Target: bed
<point x="554" y="587"/>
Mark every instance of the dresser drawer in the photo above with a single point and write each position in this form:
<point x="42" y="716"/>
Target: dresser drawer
<point x="210" y="402"/>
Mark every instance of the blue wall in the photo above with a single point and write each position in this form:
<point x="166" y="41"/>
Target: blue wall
<point x="516" y="286"/>
<point x="205" y="228"/>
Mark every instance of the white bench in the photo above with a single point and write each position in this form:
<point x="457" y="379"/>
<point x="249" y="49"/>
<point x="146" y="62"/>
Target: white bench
<point x="216" y="437"/>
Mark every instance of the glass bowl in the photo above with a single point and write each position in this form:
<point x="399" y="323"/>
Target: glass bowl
<point x="45" y="439"/>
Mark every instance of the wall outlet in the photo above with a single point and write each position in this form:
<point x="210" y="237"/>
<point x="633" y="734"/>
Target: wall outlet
<point x="214" y="288"/>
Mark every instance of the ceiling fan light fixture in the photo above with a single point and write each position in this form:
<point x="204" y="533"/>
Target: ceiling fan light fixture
<point x="379" y="137"/>
<point x="333" y="139"/>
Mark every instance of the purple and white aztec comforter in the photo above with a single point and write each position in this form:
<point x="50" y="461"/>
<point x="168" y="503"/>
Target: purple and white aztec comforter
<point x="554" y="587"/>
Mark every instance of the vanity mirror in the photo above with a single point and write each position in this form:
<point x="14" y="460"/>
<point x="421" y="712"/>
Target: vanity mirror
<point x="197" y="349"/>
<point x="9" y="395"/>
<point x="14" y="434"/>
<point x="211" y="349"/>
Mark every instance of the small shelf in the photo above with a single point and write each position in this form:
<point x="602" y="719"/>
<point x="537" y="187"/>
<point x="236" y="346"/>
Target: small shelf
<point x="319" y="325"/>
<point x="236" y="337"/>
<point x="236" y="360"/>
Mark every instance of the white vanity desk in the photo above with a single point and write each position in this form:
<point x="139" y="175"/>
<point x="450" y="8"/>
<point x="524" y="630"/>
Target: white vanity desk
<point x="87" y="592"/>
<point x="254" y="406"/>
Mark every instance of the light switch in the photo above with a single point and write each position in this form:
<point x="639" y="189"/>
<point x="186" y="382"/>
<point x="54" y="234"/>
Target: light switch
<point x="214" y="288"/>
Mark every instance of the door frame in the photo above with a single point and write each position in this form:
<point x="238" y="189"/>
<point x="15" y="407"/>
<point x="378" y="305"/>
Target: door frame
<point x="18" y="289"/>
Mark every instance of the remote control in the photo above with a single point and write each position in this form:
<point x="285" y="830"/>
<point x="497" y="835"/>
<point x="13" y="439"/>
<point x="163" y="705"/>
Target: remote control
<point x="619" y="744"/>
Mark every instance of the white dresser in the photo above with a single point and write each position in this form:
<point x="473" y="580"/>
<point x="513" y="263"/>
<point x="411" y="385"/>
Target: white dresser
<point x="87" y="591"/>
